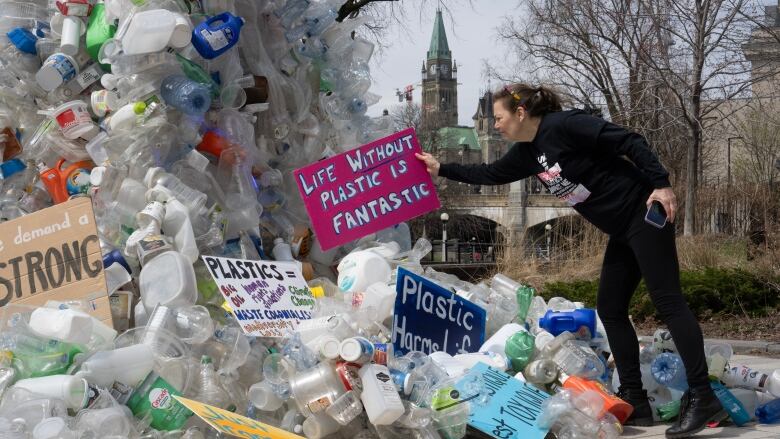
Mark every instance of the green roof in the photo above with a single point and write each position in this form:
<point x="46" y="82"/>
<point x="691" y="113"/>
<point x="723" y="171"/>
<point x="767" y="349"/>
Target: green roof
<point x="439" y="47"/>
<point x="456" y="137"/>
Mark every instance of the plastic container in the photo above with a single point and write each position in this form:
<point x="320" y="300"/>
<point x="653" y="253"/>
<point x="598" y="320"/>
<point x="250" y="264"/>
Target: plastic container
<point x="575" y="358"/>
<point x="217" y="35"/>
<point x="53" y="428"/>
<point x="74" y="120"/>
<point x="510" y="288"/>
<point x="127" y="365"/>
<point x="315" y="389"/>
<point x="362" y="268"/>
<point x="185" y="95"/>
<point x="263" y="397"/>
<point x="380" y="398"/>
<point x="71" y="389"/>
<point x="773" y="386"/>
<point x="769" y="413"/>
<point x="125" y="118"/>
<point x="168" y="280"/>
<point x="62" y="183"/>
<point x="66" y="325"/>
<point x="346" y="408"/>
<point x="612" y="404"/>
<point x="282" y="250"/>
<point x="103" y="101"/>
<point x="153" y="30"/>
<point x="555" y="322"/>
<point x="357" y="350"/>
<point x="58" y="69"/>
<point x="497" y="342"/>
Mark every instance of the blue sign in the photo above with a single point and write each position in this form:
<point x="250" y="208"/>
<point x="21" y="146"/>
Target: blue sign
<point x="513" y="409"/>
<point x="430" y="318"/>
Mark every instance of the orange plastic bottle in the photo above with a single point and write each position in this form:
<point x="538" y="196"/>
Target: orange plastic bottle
<point x="621" y="409"/>
<point x="62" y="183"/>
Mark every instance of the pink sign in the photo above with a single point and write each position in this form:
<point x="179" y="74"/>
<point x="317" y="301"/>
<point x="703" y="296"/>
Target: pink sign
<point x="365" y="190"/>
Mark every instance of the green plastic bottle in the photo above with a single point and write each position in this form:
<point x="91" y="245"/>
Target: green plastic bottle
<point x="519" y="349"/>
<point x="98" y="31"/>
<point x="198" y="74"/>
<point x="669" y="411"/>
<point x="153" y="399"/>
<point x="525" y="295"/>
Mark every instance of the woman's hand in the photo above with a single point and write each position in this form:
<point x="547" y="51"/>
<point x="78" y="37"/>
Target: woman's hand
<point x="666" y="197"/>
<point x="430" y="162"/>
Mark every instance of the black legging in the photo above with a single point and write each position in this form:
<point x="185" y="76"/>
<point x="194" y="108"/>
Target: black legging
<point x="650" y="253"/>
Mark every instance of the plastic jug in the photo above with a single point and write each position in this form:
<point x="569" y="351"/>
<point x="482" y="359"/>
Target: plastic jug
<point x="153" y="30"/>
<point x="612" y="404"/>
<point x="128" y="365"/>
<point x="71" y="389"/>
<point x="62" y="183"/>
<point x="66" y="325"/>
<point x="362" y="268"/>
<point x="217" y="35"/>
<point x="573" y="321"/>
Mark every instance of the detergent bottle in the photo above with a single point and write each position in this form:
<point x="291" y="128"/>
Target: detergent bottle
<point x="63" y="183"/>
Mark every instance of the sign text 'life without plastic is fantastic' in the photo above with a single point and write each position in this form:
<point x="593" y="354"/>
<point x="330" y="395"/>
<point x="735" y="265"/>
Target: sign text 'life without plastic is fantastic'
<point x="367" y="189"/>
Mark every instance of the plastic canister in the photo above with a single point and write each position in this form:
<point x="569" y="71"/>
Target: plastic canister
<point x="380" y="398"/>
<point x="74" y="120"/>
<point x="71" y="389"/>
<point x="217" y="35"/>
<point x="58" y="69"/>
<point x="573" y="321"/>
<point x="612" y="404"/>
<point x="168" y="280"/>
<point x="66" y="325"/>
<point x="315" y="389"/>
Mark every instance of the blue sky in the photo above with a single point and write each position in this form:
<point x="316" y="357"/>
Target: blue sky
<point x="472" y="36"/>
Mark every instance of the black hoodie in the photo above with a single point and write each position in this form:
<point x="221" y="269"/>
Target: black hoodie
<point x="583" y="160"/>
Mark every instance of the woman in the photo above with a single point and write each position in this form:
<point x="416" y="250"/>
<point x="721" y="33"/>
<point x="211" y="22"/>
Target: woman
<point x="610" y="176"/>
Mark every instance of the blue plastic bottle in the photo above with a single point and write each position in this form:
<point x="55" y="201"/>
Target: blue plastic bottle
<point x="669" y="371"/>
<point x="769" y="413"/>
<point x="217" y="35"/>
<point x="556" y="322"/>
<point x="186" y="95"/>
<point x="731" y="404"/>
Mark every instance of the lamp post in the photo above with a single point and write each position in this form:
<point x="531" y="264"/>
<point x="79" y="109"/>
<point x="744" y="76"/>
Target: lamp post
<point x="473" y="248"/>
<point x="547" y="228"/>
<point x="728" y="159"/>
<point x="444" y="218"/>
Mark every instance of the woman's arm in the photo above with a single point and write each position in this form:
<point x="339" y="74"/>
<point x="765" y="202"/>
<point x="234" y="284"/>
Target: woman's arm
<point x="505" y="170"/>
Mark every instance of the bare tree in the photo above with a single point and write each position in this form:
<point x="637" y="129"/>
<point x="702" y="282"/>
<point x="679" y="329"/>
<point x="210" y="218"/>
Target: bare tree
<point x="407" y="115"/>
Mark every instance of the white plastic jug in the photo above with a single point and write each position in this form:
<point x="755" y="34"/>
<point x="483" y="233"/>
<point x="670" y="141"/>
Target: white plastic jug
<point x="362" y="268"/>
<point x="153" y="30"/>
<point x="497" y="342"/>
<point x="128" y="365"/>
<point x="169" y="280"/>
<point x="379" y="296"/>
<point x="380" y="397"/>
<point x="68" y="325"/>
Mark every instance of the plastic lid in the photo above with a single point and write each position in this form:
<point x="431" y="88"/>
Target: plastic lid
<point x="350" y="349"/>
<point x="50" y="428"/>
<point x="96" y="175"/>
<point x="330" y="348"/>
<point x="139" y="108"/>
<point x="182" y="32"/>
<point x="23" y="39"/>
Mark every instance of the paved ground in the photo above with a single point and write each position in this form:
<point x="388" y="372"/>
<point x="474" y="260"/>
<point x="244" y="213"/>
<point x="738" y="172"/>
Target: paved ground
<point x="749" y="431"/>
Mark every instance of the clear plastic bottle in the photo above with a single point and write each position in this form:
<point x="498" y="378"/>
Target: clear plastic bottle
<point x="669" y="371"/>
<point x="210" y="390"/>
<point x="345" y="408"/>
<point x="186" y="95"/>
<point x="193" y="199"/>
<point x="541" y="371"/>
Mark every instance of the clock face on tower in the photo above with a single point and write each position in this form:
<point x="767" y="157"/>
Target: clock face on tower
<point x="445" y="69"/>
<point x="432" y="68"/>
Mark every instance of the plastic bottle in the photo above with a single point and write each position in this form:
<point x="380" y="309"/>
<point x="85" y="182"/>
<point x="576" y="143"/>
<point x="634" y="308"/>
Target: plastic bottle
<point x="668" y="370"/>
<point x="185" y="95"/>
<point x="62" y="183"/>
<point x="731" y="404"/>
<point x="356" y="350"/>
<point x="362" y="268"/>
<point x="769" y="413"/>
<point x="380" y="398"/>
<point x="575" y="321"/>
<point x="217" y="35"/>
<point x="282" y="250"/>
<point x="128" y="365"/>
<point x="748" y="398"/>
<point x="541" y="371"/>
<point x="210" y="390"/>
<point x="612" y="404"/>
<point x="574" y="358"/>
<point x="151" y="31"/>
<point x="315" y="389"/>
<point x="740" y="375"/>
<point x="497" y="342"/>
<point x="523" y="293"/>
<point x="193" y="199"/>
<point x="125" y="118"/>
<point x="774" y="383"/>
<point x="519" y="349"/>
<point x="663" y="342"/>
<point x="68" y="325"/>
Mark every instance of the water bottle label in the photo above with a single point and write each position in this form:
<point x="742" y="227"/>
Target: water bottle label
<point x="381" y="351"/>
<point x="319" y="404"/>
<point x="217" y="40"/>
<point x="348" y="373"/>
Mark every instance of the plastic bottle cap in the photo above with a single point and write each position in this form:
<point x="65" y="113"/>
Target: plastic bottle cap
<point x="96" y="175"/>
<point x="330" y="348"/>
<point x="139" y="108"/>
<point x="23" y="39"/>
<point x="11" y="167"/>
<point x="350" y="349"/>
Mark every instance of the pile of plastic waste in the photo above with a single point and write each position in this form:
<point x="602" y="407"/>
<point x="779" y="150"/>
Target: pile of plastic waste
<point x="182" y="120"/>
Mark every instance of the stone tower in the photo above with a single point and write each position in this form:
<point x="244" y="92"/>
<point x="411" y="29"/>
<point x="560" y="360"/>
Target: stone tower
<point x="439" y="81"/>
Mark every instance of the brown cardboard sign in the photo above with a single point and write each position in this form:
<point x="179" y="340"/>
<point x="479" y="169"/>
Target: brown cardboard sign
<point x="54" y="254"/>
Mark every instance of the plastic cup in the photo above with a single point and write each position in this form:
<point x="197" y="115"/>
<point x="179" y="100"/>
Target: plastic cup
<point x="58" y="69"/>
<point x="103" y="101"/>
<point x="71" y="33"/>
<point x="73" y="119"/>
<point x="233" y="96"/>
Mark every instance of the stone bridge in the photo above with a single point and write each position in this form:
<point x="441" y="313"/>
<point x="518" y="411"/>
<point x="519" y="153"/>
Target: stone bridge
<point x="515" y="211"/>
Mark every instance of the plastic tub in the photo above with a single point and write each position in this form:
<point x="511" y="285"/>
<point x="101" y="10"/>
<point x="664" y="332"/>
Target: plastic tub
<point x="58" y="69"/>
<point x="73" y="119"/>
<point x="169" y="280"/>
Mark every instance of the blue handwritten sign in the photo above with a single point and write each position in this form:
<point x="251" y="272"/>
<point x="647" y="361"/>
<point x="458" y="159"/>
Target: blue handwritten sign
<point x="430" y="318"/>
<point x="513" y="409"/>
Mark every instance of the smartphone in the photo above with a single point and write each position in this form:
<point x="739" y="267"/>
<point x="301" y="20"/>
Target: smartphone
<point x="656" y="215"/>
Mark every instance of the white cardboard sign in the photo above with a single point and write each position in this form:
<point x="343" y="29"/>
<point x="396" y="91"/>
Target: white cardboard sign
<point x="268" y="298"/>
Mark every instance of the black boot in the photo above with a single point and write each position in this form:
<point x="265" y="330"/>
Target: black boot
<point x="697" y="409"/>
<point x="642" y="415"/>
